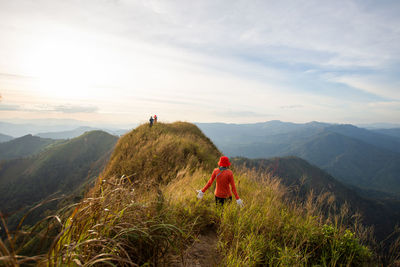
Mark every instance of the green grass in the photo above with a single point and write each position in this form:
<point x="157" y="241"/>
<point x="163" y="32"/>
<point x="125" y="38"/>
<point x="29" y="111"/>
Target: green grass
<point x="269" y="230"/>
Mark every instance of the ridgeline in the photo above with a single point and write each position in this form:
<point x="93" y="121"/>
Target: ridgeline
<point x="143" y="210"/>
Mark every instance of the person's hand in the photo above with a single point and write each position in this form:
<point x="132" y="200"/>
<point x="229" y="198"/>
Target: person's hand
<point x="200" y="194"/>
<point x="240" y="202"/>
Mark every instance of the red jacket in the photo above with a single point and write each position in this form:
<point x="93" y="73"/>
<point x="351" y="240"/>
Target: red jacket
<point x="222" y="189"/>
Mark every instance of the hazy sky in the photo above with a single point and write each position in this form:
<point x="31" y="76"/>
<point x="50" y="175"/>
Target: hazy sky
<point x="205" y="61"/>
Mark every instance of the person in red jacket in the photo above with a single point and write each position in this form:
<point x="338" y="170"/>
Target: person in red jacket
<point x="225" y="183"/>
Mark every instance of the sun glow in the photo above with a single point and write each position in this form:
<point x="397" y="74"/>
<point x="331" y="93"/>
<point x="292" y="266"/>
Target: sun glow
<point x="64" y="66"/>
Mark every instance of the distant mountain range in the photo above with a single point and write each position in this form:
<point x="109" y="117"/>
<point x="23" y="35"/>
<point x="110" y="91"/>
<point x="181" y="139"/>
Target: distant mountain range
<point x="5" y="138"/>
<point x="379" y="125"/>
<point x="57" y="129"/>
<point x="395" y="132"/>
<point x="66" y="134"/>
<point x="369" y="159"/>
<point x="64" y="167"/>
<point x="77" y="132"/>
<point x="18" y="130"/>
<point x="24" y="146"/>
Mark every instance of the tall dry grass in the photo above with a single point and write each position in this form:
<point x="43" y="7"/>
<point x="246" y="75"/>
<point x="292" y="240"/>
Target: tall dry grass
<point x="14" y="247"/>
<point x="122" y="225"/>
<point x="116" y="226"/>
<point x="272" y="229"/>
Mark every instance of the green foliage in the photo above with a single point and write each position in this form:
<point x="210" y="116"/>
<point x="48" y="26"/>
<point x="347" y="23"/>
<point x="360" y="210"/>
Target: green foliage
<point x="338" y="245"/>
<point x="270" y="232"/>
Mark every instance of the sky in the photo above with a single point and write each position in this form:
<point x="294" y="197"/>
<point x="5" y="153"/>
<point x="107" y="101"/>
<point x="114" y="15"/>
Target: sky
<point x="120" y="61"/>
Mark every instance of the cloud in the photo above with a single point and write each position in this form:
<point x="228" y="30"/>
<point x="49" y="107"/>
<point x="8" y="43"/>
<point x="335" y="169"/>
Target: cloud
<point x="266" y="55"/>
<point x="75" y="109"/>
<point x="377" y="84"/>
<point x="14" y="76"/>
<point x="9" y="107"/>
<point x="50" y="108"/>
<point x="393" y="105"/>
<point x="241" y="114"/>
<point x="291" y="107"/>
<point x="337" y="33"/>
<point x="163" y="101"/>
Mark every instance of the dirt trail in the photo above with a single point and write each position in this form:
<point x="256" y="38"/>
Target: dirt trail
<point x="203" y="252"/>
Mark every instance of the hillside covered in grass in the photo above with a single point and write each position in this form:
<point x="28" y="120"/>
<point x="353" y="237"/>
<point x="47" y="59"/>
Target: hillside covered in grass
<point x="24" y="146"/>
<point x="143" y="210"/>
<point x="63" y="168"/>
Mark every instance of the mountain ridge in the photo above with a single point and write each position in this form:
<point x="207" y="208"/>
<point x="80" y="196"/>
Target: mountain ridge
<point x="64" y="167"/>
<point x="24" y="146"/>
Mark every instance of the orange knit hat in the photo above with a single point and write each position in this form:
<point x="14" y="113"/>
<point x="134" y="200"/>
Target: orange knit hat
<point x="224" y="162"/>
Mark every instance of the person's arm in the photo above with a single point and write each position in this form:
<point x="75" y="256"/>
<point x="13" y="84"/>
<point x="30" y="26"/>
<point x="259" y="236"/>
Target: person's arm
<point x="234" y="187"/>
<point x="210" y="182"/>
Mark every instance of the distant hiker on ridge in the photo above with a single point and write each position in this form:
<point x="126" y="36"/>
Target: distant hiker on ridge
<point x="224" y="178"/>
<point x="151" y="121"/>
<point x="155" y="118"/>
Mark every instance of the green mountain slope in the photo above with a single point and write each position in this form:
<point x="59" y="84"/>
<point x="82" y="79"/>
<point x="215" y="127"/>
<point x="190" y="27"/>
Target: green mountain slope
<point x="23" y="146"/>
<point x="374" y="138"/>
<point x="62" y="168"/>
<point x="352" y="161"/>
<point x="5" y="138"/>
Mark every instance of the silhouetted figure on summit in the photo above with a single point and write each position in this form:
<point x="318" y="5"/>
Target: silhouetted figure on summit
<point x="224" y="178"/>
<point x="155" y="119"/>
<point x="151" y="121"/>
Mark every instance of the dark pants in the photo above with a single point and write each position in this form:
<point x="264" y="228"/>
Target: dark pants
<point x="221" y="201"/>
